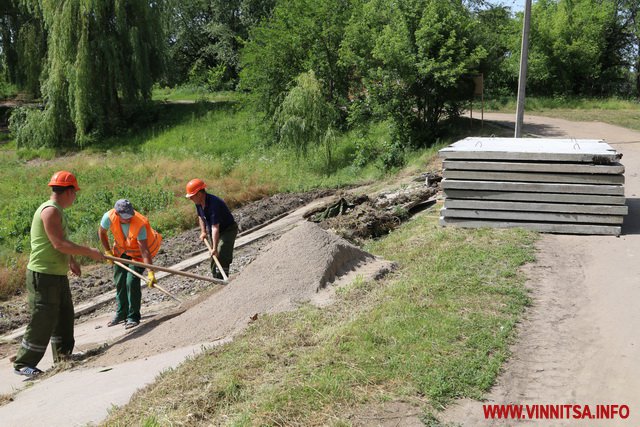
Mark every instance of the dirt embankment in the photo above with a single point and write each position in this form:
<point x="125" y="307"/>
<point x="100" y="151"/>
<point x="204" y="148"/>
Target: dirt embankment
<point x="97" y="280"/>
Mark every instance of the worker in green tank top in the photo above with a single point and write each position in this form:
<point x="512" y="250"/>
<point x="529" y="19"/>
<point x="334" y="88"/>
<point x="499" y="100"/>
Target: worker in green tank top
<point x="48" y="289"/>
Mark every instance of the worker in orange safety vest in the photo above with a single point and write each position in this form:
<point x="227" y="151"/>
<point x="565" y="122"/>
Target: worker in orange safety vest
<point x="133" y="239"/>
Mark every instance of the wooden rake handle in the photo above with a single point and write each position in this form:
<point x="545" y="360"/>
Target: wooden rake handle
<point x="155" y="285"/>
<point x="215" y="259"/>
<point x="165" y="269"/>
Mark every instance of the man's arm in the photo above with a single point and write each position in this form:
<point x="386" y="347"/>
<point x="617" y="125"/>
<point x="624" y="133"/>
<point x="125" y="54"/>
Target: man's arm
<point x="203" y="228"/>
<point x="144" y="251"/>
<point x="215" y="238"/>
<point x="104" y="238"/>
<point x="52" y="221"/>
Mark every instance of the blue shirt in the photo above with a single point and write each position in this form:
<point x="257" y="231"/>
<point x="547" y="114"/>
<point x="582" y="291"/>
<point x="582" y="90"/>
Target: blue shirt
<point x="215" y="212"/>
<point x="106" y="224"/>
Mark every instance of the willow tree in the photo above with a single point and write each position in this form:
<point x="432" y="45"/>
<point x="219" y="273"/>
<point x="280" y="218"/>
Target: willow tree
<point x="102" y="59"/>
<point x="22" y="45"/>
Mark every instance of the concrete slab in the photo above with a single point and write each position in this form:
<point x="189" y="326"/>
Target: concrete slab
<point x="536" y="197"/>
<point x="533" y="187"/>
<point x="88" y="335"/>
<point x="536" y="207"/>
<point x="535" y="177"/>
<point x="514" y="166"/>
<point x="88" y="393"/>
<point x="531" y="216"/>
<point x="532" y="149"/>
<point x="540" y="227"/>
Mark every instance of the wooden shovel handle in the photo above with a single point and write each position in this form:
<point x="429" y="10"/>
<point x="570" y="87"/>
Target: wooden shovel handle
<point x="215" y="259"/>
<point x="155" y="285"/>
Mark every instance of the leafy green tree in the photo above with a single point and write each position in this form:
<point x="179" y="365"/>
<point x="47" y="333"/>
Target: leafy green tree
<point x="498" y="32"/>
<point x="577" y="48"/>
<point x="305" y="118"/>
<point x="413" y="58"/>
<point x="205" y="38"/>
<point x="22" y="44"/>
<point x="629" y="21"/>
<point x="103" y="57"/>
<point x="301" y="35"/>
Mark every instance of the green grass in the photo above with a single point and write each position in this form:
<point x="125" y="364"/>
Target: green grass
<point x="620" y="112"/>
<point x="189" y="93"/>
<point x="435" y="330"/>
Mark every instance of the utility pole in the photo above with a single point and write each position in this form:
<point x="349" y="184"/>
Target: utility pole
<point x="522" y="79"/>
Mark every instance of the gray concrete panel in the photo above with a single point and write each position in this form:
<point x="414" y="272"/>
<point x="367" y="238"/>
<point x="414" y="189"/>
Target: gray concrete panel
<point x="535" y="197"/>
<point x="532" y="187"/>
<point x="535" y="177"/>
<point x="614" y="169"/>
<point x="536" y="207"/>
<point x="541" y="227"/>
<point x="531" y="216"/>
<point x="532" y="149"/>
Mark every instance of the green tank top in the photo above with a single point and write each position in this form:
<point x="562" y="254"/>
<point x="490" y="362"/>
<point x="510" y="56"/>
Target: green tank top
<point x="44" y="258"/>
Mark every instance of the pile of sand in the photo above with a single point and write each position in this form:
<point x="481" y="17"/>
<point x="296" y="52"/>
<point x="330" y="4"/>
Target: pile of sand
<point x="293" y="270"/>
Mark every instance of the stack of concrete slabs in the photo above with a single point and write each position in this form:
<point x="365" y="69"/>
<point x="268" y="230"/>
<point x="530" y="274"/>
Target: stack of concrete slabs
<point x="549" y="185"/>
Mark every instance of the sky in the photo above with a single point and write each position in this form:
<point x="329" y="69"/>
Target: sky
<point x="515" y="5"/>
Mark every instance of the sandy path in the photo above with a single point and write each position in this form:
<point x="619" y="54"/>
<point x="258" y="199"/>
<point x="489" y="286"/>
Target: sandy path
<point x="579" y="342"/>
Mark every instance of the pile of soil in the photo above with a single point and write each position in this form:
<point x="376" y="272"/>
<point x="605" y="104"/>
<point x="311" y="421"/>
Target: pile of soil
<point x="293" y="270"/>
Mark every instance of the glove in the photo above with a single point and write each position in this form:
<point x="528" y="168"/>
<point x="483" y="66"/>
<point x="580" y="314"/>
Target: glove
<point x="151" y="279"/>
<point x="108" y="252"/>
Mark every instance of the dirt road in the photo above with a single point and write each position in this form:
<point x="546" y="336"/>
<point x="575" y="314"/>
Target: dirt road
<point x="579" y="343"/>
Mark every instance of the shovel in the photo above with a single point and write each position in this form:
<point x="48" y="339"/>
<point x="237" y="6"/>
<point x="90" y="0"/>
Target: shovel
<point x="215" y="259"/>
<point x="135" y="273"/>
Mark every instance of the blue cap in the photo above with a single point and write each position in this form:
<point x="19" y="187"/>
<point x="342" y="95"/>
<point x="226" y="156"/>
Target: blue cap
<point x="124" y="208"/>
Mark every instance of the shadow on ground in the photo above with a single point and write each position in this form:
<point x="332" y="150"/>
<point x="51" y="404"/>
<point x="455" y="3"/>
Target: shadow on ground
<point x="632" y="220"/>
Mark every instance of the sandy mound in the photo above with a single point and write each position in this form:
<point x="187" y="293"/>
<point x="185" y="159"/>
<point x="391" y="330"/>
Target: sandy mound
<point x="291" y="271"/>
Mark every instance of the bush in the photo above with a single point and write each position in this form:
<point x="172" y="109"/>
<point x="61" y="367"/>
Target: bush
<point x="394" y="156"/>
<point x="366" y="151"/>
<point x="30" y="129"/>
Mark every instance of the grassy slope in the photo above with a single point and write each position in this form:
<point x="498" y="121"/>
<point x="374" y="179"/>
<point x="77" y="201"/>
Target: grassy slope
<point x="436" y="329"/>
<point x="613" y="111"/>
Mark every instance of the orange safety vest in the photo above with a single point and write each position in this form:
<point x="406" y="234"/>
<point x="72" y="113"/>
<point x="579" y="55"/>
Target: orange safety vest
<point x="129" y="244"/>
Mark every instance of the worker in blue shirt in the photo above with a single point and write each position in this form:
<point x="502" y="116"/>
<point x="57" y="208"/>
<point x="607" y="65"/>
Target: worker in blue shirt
<point x="216" y="224"/>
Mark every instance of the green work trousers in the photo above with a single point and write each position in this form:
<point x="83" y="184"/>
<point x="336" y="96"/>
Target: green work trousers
<point x="225" y="250"/>
<point x="52" y="315"/>
<point x="128" y="292"/>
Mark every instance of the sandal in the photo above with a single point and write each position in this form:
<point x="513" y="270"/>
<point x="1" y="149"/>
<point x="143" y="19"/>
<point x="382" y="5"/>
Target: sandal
<point x="131" y="324"/>
<point x="28" y="372"/>
<point x="115" y="321"/>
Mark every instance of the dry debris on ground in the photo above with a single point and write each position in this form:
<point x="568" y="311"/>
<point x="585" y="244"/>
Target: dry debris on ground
<point x="359" y="217"/>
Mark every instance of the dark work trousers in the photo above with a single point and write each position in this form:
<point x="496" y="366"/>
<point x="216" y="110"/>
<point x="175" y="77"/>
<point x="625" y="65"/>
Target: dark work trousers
<point x="52" y="315"/>
<point x="225" y="250"/>
<point x="128" y="292"/>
